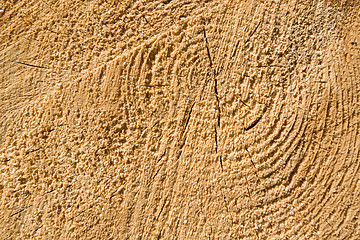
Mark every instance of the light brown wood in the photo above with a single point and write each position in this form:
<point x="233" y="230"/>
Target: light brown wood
<point x="179" y="119"/>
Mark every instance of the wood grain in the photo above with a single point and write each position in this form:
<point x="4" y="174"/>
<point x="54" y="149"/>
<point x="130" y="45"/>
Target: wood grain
<point x="179" y="120"/>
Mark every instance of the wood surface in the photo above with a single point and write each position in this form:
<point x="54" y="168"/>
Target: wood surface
<point x="180" y="119"/>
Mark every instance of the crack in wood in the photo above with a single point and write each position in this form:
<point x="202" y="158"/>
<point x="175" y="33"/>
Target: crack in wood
<point x="18" y="212"/>
<point x="218" y="111"/>
<point x="253" y="124"/>
<point x="247" y="40"/>
<point x="252" y="163"/>
<point x="29" y="65"/>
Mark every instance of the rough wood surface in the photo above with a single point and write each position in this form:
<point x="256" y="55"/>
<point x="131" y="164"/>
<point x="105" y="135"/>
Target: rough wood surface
<point x="181" y="119"/>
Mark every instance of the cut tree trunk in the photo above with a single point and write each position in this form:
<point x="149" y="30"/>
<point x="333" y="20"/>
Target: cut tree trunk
<point x="180" y="119"/>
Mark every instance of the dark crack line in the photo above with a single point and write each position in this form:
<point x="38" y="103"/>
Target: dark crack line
<point x="48" y="192"/>
<point x="51" y="130"/>
<point x="29" y="65"/>
<point x="216" y="148"/>
<point x="252" y="163"/>
<point x="6" y="160"/>
<point x="253" y="124"/>
<point x="162" y="208"/>
<point x="34" y="150"/>
<point x="37" y="229"/>
<point x="217" y="101"/>
<point x="114" y="193"/>
<point x="176" y="228"/>
<point x="183" y="136"/>
<point x="269" y="66"/>
<point x="187" y="120"/>
<point x="221" y="163"/>
<point x="253" y="32"/>
<point x="18" y="212"/>
<point x="235" y="49"/>
<point x="147" y="21"/>
<point x="247" y="40"/>
<point x="157" y="172"/>
<point x="244" y="103"/>
<point x="207" y="47"/>
<point x="22" y="210"/>
<point x="218" y="111"/>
